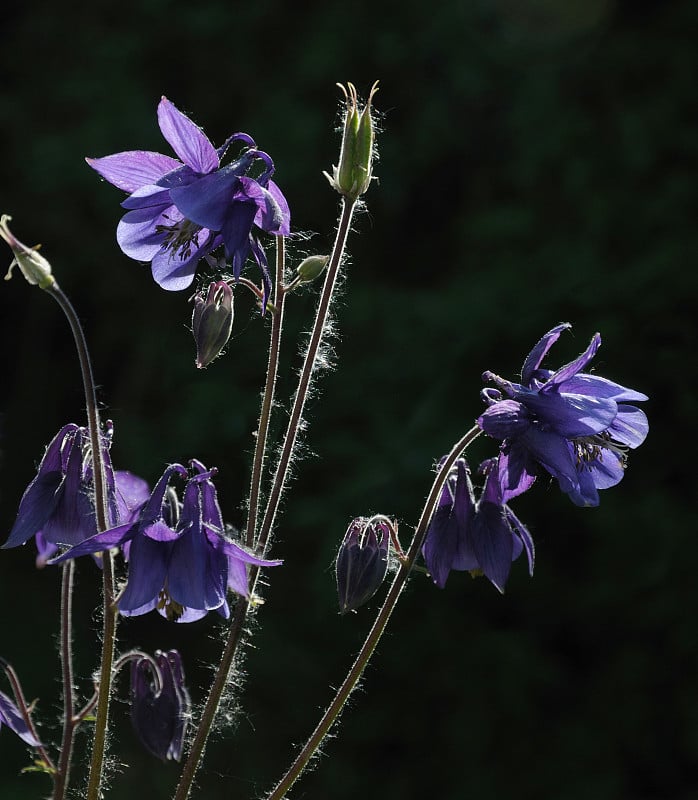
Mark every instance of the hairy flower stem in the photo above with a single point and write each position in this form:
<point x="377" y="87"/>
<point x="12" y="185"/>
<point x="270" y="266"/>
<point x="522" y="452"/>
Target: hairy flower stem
<point x="268" y="396"/>
<point x="309" y="363"/>
<point x="220" y="680"/>
<point x="70" y="722"/>
<point x="109" y="621"/>
<point x="334" y="709"/>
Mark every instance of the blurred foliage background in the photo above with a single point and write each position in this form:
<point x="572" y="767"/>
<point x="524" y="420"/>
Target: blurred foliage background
<point x="537" y="164"/>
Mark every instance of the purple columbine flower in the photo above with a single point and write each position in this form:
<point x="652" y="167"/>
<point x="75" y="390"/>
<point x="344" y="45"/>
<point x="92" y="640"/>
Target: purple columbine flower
<point x="180" y="561"/>
<point x="575" y="425"/>
<point x="482" y="537"/>
<point x="362" y="561"/>
<point x="178" y="211"/>
<point x="11" y="716"/>
<point x="58" y="505"/>
<point x="160" y="714"/>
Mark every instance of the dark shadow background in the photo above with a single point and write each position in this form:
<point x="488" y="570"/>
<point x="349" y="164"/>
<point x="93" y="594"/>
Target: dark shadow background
<point x="537" y="164"/>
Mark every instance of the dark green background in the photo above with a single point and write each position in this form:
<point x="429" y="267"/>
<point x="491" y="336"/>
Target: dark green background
<point x="537" y="164"/>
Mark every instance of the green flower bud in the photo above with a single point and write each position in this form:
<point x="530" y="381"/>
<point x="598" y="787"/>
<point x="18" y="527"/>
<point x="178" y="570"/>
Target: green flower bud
<point x="311" y="268"/>
<point x="212" y="322"/>
<point x="352" y="176"/>
<point x="34" y="266"/>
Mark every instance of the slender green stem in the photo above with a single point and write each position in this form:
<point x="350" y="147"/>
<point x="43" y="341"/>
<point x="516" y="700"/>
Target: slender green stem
<point x="66" y="652"/>
<point x="99" y="476"/>
<point x="220" y="680"/>
<point x="268" y="396"/>
<point x="334" y="709"/>
<point x="309" y="363"/>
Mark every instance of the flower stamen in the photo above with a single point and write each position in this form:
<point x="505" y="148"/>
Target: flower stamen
<point x="180" y="237"/>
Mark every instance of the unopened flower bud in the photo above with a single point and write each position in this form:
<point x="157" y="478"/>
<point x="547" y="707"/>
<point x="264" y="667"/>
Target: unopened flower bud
<point x="362" y="561"/>
<point x="34" y="266"/>
<point x="212" y="322"/>
<point x="160" y="709"/>
<point x="352" y="176"/>
<point x="311" y="268"/>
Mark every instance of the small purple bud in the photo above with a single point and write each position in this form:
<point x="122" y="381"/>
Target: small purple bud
<point x="160" y="718"/>
<point x="212" y="322"/>
<point x="362" y="561"/>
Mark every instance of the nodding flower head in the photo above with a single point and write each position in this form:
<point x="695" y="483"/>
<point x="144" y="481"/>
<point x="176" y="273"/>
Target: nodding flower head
<point x="482" y="537"/>
<point x="577" y="426"/>
<point x="181" y="562"/>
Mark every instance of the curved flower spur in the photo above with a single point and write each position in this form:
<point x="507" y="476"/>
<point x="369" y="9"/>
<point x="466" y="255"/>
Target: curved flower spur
<point x="577" y="426"/>
<point x="178" y="211"/>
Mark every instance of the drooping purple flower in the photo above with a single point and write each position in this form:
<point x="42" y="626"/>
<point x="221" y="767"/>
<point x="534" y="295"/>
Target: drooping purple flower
<point x="178" y="211"/>
<point x="180" y="560"/>
<point x="362" y="561"/>
<point x="11" y="716"/>
<point x="577" y="426"/>
<point x="478" y="537"/>
<point x="160" y="715"/>
<point x="58" y="505"/>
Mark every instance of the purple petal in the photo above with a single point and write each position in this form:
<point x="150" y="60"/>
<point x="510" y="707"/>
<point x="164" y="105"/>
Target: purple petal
<point x="149" y="196"/>
<point x="236" y="234"/>
<point x="524" y="536"/>
<point x="493" y="543"/>
<point x="555" y="454"/>
<point x="571" y="369"/>
<point x="98" y="543"/>
<point x="513" y="474"/>
<point x="504" y="419"/>
<point x="187" y="139"/>
<point x="132" y="169"/>
<point x="540" y="350"/>
<point x="137" y="233"/>
<point x="208" y="201"/>
<point x="570" y="415"/>
<point x="175" y="274"/>
<point x="11" y="716"/>
<point x="132" y="493"/>
<point x="274" y="215"/>
<point x="630" y="427"/>
<point x="584" y="383"/>
<point x="441" y="544"/>
<point x="37" y="505"/>
<point x="147" y="571"/>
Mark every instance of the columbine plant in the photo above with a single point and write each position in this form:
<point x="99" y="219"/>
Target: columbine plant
<point x="178" y="557"/>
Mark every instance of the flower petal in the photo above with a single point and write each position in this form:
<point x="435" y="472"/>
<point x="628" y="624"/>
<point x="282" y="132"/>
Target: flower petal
<point x="207" y="202"/>
<point x="175" y="274"/>
<point x="147" y="571"/>
<point x="186" y="138"/>
<point x="540" y="350"/>
<point x="134" y="168"/>
<point x="570" y="415"/>
<point x="137" y="233"/>
<point x="630" y="427"/>
<point x="571" y="369"/>
<point x="493" y="543"/>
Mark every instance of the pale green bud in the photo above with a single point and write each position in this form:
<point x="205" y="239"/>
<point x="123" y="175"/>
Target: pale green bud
<point x="34" y="266"/>
<point x="352" y="176"/>
<point x="311" y="268"/>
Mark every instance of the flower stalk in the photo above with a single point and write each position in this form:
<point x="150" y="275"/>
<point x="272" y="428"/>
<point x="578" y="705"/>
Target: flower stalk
<point x="377" y="629"/>
<point x="109" y="610"/>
